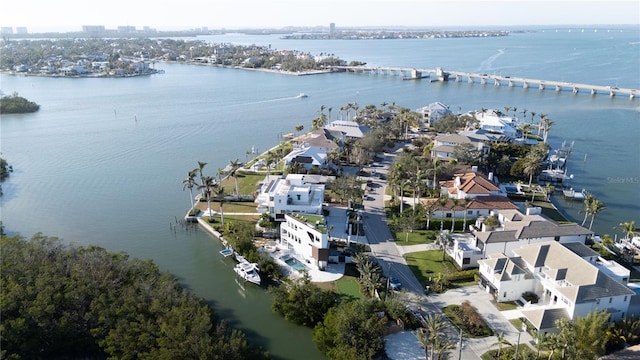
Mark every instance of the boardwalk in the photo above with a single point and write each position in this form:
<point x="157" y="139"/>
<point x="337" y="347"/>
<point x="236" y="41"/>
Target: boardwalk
<point x="439" y="74"/>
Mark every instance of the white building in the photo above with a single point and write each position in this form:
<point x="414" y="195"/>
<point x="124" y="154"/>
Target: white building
<point x="306" y="235"/>
<point x="313" y="150"/>
<point x="432" y="113"/>
<point x="280" y="196"/>
<point x="348" y="128"/>
<point x="566" y="284"/>
<point x="496" y="123"/>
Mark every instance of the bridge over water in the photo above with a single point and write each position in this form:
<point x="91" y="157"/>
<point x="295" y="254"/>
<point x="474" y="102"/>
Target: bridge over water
<point x="439" y="74"/>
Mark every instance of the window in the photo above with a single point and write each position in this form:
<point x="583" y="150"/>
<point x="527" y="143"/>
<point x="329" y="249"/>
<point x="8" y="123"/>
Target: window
<point x="625" y="300"/>
<point x="466" y="260"/>
<point x="469" y="212"/>
<point x="448" y="215"/>
<point x="504" y="295"/>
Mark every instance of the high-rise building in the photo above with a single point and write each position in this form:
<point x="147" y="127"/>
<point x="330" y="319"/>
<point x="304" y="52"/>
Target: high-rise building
<point x="21" y="30"/>
<point x="332" y="28"/>
<point x="6" y="30"/>
<point x="93" y="28"/>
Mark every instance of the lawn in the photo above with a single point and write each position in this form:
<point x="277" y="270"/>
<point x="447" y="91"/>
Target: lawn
<point x="425" y="264"/>
<point x="502" y="306"/>
<point x="347" y="286"/>
<point x="247" y="183"/>
<point x="416" y="237"/>
<point x="230" y="207"/>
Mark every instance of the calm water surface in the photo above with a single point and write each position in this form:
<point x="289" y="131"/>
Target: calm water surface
<point x="103" y="160"/>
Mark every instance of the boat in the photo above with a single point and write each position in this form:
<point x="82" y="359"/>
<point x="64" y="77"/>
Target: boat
<point x="248" y="271"/>
<point x="574" y="195"/>
<point x="302" y="95"/>
<point x="226" y="252"/>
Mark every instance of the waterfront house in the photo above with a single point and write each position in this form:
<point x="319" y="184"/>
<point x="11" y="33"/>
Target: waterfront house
<point x="470" y="185"/>
<point x="290" y="194"/>
<point x="566" y="284"/>
<point x="306" y="235"/>
<point x="432" y="113"/>
<point x="349" y="129"/>
<point x="444" y="146"/>
<point x="515" y="229"/>
<point x="493" y="121"/>
<point x="312" y="151"/>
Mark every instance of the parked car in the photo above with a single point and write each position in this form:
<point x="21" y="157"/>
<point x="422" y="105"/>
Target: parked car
<point x="394" y="283"/>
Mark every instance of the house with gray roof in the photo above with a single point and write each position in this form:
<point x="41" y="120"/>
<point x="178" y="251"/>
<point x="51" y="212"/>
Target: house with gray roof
<point x="566" y="284"/>
<point x="433" y="112"/>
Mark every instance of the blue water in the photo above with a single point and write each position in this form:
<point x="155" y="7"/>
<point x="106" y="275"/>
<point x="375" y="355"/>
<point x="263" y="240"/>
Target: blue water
<point x="85" y="170"/>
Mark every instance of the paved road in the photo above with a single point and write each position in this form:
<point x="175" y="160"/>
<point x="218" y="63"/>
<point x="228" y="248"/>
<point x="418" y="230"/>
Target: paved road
<point x="390" y="257"/>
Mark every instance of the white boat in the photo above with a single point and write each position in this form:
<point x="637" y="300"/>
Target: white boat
<point x="248" y="271"/>
<point x="574" y="195"/>
<point x="301" y="95"/>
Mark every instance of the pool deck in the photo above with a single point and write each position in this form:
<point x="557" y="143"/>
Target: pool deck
<point x="333" y="272"/>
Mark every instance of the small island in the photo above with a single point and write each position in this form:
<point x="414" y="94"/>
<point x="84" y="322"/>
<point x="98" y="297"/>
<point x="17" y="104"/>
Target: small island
<point x="14" y="104"/>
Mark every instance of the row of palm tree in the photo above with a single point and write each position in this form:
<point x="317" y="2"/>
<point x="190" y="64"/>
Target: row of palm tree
<point x="209" y="187"/>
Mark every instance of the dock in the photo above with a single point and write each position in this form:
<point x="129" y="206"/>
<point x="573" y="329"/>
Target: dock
<point x="497" y="80"/>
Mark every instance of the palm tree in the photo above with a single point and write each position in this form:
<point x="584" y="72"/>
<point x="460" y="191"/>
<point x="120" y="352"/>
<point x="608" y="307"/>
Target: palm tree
<point x="628" y="228"/>
<point x="456" y="202"/>
<point x="546" y="125"/>
<point x="607" y="241"/>
<point x="548" y="190"/>
<point x="466" y="204"/>
<point x="207" y="185"/>
<point x="429" y="211"/>
<point x="234" y="166"/>
<point x="201" y="165"/>
<point x="443" y="201"/>
<point x="190" y="183"/>
<point x="531" y="166"/>
<point x="588" y="199"/>
<point x="435" y="325"/>
<point x="299" y="128"/>
<point x="596" y="207"/>
<point x="525" y="129"/>
<point x="219" y="192"/>
<point x="500" y="342"/>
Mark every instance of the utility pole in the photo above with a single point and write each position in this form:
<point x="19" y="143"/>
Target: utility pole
<point x="460" y="345"/>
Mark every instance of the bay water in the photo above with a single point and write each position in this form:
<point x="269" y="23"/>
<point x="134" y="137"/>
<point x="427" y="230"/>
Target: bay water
<point x="103" y="160"/>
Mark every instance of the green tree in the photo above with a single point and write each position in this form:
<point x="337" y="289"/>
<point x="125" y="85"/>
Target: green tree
<point x="302" y="302"/>
<point x="501" y="341"/>
<point x="628" y="228"/>
<point x="596" y="207"/>
<point x="431" y="334"/>
<point x="234" y="166"/>
<point x="189" y="183"/>
<point x="352" y="330"/>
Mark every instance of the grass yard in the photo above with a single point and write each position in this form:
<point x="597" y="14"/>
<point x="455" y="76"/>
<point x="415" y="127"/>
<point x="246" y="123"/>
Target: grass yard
<point x="502" y="306"/>
<point x="425" y="264"/>
<point x="229" y="207"/>
<point x="416" y="237"/>
<point x="347" y="286"/>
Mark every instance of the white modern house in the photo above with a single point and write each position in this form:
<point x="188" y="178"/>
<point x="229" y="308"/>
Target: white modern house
<point x="307" y="236"/>
<point x="290" y="194"/>
<point x="494" y="122"/>
<point x="433" y="112"/>
<point x="566" y="284"/>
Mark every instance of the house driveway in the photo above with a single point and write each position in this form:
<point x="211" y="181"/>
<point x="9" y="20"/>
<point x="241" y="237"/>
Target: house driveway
<point x="496" y="319"/>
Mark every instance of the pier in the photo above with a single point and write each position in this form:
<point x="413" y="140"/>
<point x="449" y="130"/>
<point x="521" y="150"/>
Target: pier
<point x="438" y="74"/>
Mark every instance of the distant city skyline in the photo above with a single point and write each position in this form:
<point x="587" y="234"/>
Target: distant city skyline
<point x="71" y="15"/>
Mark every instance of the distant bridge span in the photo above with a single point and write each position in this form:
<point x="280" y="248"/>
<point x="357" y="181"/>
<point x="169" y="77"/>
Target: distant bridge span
<point x="496" y="80"/>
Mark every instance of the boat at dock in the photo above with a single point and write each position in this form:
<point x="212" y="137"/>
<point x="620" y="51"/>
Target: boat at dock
<point x="248" y="271"/>
<point x="574" y="195"/>
<point x="226" y="252"/>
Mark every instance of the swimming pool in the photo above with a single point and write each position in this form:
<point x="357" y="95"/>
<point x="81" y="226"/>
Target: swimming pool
<point x="511" y="189"/>
<point x="294" y="263"/>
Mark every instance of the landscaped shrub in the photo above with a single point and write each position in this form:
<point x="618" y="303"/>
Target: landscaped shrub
<point x="530" y="297"/>
<point x="464" y="275"/>
<point x="471" y="320"/>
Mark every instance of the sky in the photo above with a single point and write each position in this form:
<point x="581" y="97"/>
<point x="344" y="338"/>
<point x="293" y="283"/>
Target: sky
<point x="70" y="15"/>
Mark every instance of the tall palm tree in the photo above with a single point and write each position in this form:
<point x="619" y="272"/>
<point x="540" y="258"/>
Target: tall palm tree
<point x="201" y="165"/>
<point x="443" y="201"/>
<point x="219" y="192"/>
<point x="190" y="183"/>
<point x="466" y="203"/>
<point x="208" y="183"/>
<point x="429" y="211"/>
<point x="628" y="228"/>
<point x="596" y="207"/>
<point x="588" y="199"/>
<point x="531" y="166"/>
<point x="456" y="202"/>
<point x="546" y="125"/>
<point x="433" y="330"/>
<point x="299" y="128"/>
<point x="234" y="167"/>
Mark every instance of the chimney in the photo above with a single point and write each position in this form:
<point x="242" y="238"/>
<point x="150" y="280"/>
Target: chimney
<point x="491" y="176"/>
